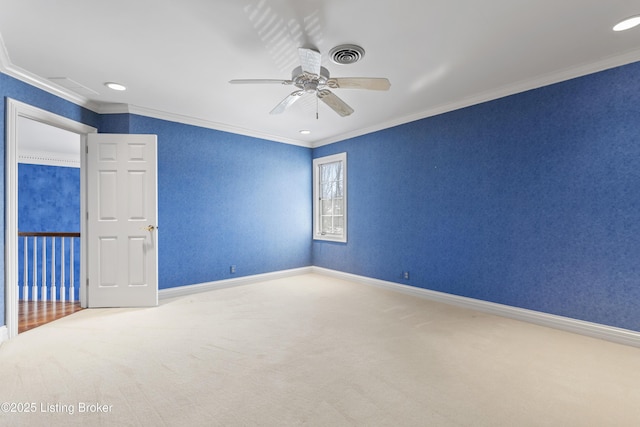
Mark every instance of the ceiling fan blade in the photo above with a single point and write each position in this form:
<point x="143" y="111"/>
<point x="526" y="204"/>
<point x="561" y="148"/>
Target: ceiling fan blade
<point x="371" y="83"/>
<point x="260" y="81"/>
<point x="310" y="60"/>
<point x="287" y="102"/>
<point x="336" y="104"/>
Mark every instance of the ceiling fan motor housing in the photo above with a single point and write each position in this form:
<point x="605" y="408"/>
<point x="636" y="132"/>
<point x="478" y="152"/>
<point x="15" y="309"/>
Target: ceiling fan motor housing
<point x="309" y="82"/>
<point x="310" y="86"/>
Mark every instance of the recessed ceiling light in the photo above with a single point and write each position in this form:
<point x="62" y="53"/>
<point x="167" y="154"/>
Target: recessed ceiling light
<point x="115" y="86"/>
<point x="305" y="132"/>
<point x="627" y="23"/>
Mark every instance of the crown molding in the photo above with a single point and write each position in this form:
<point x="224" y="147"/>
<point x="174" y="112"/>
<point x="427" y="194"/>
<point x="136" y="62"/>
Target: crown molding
<point x="32" y="79"/>
<point x="8" y="68"/>
<point x="50" y="87"/>
<point x="522" y="86"/>
<point x="48" y="158"/>
<point x="507" y="90"/>
<point x="194" y="121"/>
<point x="4" y="55"/>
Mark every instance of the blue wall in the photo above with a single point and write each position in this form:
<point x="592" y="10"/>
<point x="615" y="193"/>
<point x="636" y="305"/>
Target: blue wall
<point x="532" y="200"/>
<point x="49" y="201"/>
<point x="226" y="199"/>
<point x="12" y="88"/>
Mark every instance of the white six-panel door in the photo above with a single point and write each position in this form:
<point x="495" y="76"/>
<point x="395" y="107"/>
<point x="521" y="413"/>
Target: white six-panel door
<point x="122" y="240"/>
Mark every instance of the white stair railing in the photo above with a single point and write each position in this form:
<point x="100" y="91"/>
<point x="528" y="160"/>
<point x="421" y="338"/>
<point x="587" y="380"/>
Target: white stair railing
<point x="38" y="285"/>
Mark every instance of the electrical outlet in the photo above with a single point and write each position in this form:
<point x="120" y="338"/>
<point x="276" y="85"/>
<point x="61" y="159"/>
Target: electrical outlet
<point x="405" y="275"/>
<point x="232" y="269"/>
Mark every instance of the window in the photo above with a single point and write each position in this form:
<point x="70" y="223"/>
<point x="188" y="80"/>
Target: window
<point x="330" y="198"/>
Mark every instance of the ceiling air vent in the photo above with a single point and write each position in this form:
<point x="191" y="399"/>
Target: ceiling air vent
<point x="346" y="54"/>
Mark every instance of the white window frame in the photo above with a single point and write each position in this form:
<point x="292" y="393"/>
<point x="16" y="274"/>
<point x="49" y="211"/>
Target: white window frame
<point x="317" y="163"/>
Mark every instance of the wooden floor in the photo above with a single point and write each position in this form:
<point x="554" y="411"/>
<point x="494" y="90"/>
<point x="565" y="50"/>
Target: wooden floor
<point x="32" y="314"/>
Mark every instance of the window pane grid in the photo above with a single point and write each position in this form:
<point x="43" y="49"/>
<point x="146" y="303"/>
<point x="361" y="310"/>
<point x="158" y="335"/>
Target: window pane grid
<point x="331" y="217"/>
<point x="330" y="201"/>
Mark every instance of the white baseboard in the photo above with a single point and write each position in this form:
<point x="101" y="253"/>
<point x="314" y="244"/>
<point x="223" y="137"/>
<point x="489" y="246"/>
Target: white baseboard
<point x="4" y="334"/>
<point x="228" y="283"/>
<point x="595" y="330"/>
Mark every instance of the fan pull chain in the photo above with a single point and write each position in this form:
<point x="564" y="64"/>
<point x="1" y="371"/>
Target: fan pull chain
<point x="317" y="117"/>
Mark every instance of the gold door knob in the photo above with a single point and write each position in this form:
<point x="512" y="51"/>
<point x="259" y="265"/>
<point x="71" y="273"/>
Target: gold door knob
<point x="150" y="228"/>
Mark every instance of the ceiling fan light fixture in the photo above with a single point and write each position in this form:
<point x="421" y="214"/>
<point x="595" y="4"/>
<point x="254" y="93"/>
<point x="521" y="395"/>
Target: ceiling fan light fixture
<point x="346" y="54"/>
<point x="115" y="86"/>
<point x="627" y="24"/>
<point x="313" y="79"/>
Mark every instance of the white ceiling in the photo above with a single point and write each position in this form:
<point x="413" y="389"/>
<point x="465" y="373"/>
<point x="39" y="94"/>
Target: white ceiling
<point x="40" y="143"/>
<point x="176" y="57"/>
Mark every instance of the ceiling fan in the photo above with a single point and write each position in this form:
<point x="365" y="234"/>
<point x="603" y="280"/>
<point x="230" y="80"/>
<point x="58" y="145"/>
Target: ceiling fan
<point x="312" y="78"/>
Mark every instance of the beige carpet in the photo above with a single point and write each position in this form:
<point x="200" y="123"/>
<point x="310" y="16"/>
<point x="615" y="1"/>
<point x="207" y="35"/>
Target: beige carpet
<point x="317" y="351"/>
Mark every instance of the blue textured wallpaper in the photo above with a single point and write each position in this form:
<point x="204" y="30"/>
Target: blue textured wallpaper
<point x="12" y="88"/>
<point x="114" y="123"/>
<point x="226" y="199"/>
<point x="532" y="200"/>
<point x="49" y="200"/>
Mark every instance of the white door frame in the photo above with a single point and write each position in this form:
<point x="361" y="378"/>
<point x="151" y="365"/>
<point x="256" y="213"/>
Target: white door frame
<point x="14" y="110"/>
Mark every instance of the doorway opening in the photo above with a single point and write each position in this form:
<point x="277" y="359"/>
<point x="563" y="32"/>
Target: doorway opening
<point x="20" y="118"/>
<point x="48" y="223"/>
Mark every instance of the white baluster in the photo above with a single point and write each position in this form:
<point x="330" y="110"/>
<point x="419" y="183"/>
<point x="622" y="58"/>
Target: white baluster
<point x="34" y="285"/>
<point x="62" y="275"/>
<point x="72" y="293"/>
<point x="53" y="269"/>
<point x="25" y="273"/>
<point x="43" y="291"/>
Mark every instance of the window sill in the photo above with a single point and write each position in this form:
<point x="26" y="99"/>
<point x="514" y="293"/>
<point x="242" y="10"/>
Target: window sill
<point x="325" y="238"/>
